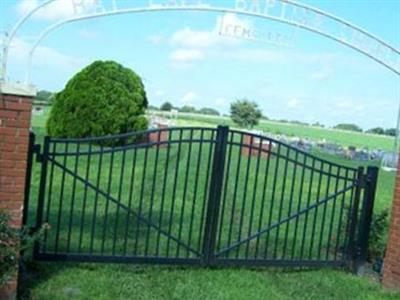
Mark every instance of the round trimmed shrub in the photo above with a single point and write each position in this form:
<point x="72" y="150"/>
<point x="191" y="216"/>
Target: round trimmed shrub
<point x="102" y="99"/>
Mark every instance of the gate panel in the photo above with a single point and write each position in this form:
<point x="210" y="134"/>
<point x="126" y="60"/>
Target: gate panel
<point x="281" y="205"/>
<point x="200" y="195"/>
<point x="136" y="196"/>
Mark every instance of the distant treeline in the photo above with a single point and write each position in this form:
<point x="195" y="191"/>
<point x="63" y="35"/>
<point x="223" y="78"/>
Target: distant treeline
<point x="375" y="130"/>
<point x="167" y="106"/>
<point x="44" y="98"/>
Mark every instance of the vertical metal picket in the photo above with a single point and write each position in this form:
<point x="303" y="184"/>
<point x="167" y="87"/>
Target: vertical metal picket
<point x="42" y="187"/>
<point x="215" y="190"/>
<point x="366" y="215"/>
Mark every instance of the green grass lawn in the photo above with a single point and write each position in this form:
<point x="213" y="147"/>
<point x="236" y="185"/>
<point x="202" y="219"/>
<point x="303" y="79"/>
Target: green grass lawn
<point x="86" y="281"/>
<point x="104" y="281"/>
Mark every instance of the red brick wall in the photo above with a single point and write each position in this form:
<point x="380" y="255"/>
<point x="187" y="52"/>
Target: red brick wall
<point x="391" y="271"/>
<point x="15" y="117"/>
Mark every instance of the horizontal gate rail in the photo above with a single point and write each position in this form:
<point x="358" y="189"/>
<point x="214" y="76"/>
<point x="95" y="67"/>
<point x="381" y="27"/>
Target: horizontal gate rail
<point x="265" y="262"/>
<point x="123" y="206"/>
<point x="297" y="163"/>
<point x="275" y="225"/>
<point x="128" y="135"/>
<point x="220" y="262"/>
<point x="138" y="145"/>
<point x="78" y="257"/>
<point x="278" y="155"/>
<point x="288" y="146"/>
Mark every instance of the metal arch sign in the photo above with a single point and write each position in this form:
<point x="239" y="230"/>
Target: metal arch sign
<point x="287" y="12"/>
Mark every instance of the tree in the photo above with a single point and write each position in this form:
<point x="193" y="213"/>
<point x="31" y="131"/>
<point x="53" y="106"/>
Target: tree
<point x="103" y="98"/>
<point x="166" y="106"/>
<point x="376" y="130"/>
<point x="349" y="127"/>
<point x="187" y="109"/>
<point x="43" y="95"/>
<point x="318" y="124"/>
<point x="391" y="131"/>
<point x="245" y="113"/>
<point x="209" y="111"/>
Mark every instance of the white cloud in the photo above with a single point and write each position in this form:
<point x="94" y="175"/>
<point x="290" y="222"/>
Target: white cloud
<point x="226" y="25"/>
<point x="190" y="46"/>
<point x="188" y="98"/>
<point x="186" y="56"/>
<point x="156" y="39"/>
<point x="293" y="103"/>
<point x="25" y="6"/>
<point x="188" y="38"/>
<point x="322" y="74"/>
<point x="43" y="57"/>
<point x="194" y="45"/>
<point x="58" y="9"/>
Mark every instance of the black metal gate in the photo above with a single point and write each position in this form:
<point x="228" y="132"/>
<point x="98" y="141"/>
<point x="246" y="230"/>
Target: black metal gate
<point x="195" y="195"/>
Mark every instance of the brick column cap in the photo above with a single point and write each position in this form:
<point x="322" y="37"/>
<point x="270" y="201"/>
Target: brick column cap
<point x="17" y="89"/>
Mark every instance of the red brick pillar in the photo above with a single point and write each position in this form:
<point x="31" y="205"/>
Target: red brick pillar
<point x="15" y="117"/>
<point x="391" y="269"/>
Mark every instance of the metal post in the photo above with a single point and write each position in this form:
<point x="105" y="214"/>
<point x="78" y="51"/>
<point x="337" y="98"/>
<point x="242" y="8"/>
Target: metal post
<point x="352" y="248"/>
<point x="366" y="216"/>
<point x="214" y="198"/>
<point x="42" y="188"/>
<point x="31" y="150"/>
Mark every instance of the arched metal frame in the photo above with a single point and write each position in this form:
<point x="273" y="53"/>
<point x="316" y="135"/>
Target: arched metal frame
<point x="57" y="25"/>
<point x="358" y="34"/>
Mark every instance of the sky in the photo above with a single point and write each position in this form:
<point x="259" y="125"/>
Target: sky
<point x="182" y="59"/>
